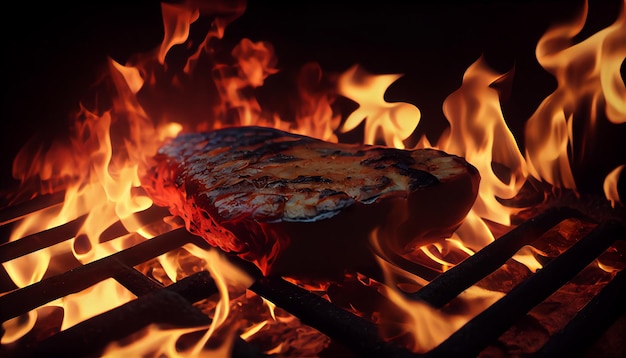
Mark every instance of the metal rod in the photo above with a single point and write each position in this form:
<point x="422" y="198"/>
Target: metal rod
<point x="40" y="240"/>
<point x="17" y="211"/>
<point x="150" y="215"/>
<point x="30" y="297"/>
<point x="450" y="284"/>
<point x="476" y="334"/>
<point x="55" y="235"/>
<point x="352" y="331"/>
<point x="94" y="334"/>
<point x="590" y="322"/>
<point x="136" y="282"/>
<point x="198" y="286"/>
<point x="171" y="305"/>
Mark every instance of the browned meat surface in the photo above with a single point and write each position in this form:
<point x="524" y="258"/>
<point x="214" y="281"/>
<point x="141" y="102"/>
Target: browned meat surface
<point x="299" y="206"/>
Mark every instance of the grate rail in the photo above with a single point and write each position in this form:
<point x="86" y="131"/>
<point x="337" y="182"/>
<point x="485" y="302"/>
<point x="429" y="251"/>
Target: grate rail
<point x="174" y="304"/>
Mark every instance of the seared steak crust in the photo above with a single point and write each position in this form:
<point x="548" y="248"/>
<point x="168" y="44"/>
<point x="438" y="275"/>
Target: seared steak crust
<point x="256" y="191"/>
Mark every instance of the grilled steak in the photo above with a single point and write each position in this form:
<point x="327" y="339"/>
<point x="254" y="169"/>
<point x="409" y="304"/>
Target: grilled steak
<point x="295" y="205"/>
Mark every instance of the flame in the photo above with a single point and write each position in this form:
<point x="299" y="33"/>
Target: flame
<point x="610" y="185"/>
<point x="479" y="133"/>
<point x="589" y="80"/>
<point x="108" y="293"/>
<point x="103" y="178"/>
<point x="255" y="61"/>
<point x="587" y="72"/>
<point x="164" y="340"/>
<point x="99" y="165"/>
<point x="15" y="329"/>
<point x="428" y="326"/>
<point x="315" y="115"/>
<point x="394" y="122"/>
<point x="176" y="21"/>
<point x="160" y="341"/>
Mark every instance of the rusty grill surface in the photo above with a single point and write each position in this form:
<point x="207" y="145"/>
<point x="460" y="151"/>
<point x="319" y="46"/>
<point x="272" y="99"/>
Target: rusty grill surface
<point x="173" y="304"/>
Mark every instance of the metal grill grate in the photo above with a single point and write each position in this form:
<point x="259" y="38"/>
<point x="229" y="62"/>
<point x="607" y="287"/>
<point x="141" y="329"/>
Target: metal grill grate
<point x="174" y="304"/>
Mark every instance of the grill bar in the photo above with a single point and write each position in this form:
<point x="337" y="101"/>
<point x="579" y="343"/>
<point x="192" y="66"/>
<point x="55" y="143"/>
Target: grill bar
<point x="87" y="337"/>
<point x="17" y="211"/>
<point x="170" y="306"/>
<point x="58" y="234"/>
<point x="474" y="336"/>
<point x="591" y="322"/>
<point x="449" y="285"/>
<point x="173" y="305"/>
<point x="42" y="239"/>
<point x="30" y="297"/>
<point x="135" y="281"/>
<point x="354" y="332"/>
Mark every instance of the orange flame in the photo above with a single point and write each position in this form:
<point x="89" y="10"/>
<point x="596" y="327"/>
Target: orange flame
<point x="103" y="169"/>
<point x="394" y="122"/>
<point x="164" y="340"/>
<point x="610" y="185"/>
<point x="98" y="166"/>
<point x="588" y="76"/>
<point x="176" y="21"/>
<point x="429" y="326"/>
<point x="479" y="133"/>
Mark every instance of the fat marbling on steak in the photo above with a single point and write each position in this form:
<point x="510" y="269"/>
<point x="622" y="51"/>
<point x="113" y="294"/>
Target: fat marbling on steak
<point x="296" y="205"/>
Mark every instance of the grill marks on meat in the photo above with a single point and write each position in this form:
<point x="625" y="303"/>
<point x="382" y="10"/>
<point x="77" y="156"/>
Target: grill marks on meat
<point x="257" y="191"/>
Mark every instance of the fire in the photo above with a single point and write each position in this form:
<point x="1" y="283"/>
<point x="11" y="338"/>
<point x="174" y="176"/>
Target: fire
<point x="587" y="72"/>
<point x="441" y="323"/>
<point x="99" y="165"/>
<point x="163" y="340"/>
<point x="394" y="122"/>
<point x="478" y="132"/>
<point x="589" y="82"/>
<point x="610" y="185"/>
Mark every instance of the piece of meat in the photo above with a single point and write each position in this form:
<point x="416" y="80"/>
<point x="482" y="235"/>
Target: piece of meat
<point x="298" y="206"/>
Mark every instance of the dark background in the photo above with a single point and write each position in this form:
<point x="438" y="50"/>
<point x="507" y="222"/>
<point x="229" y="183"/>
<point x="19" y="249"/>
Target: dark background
<point x="54" y="51"/>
